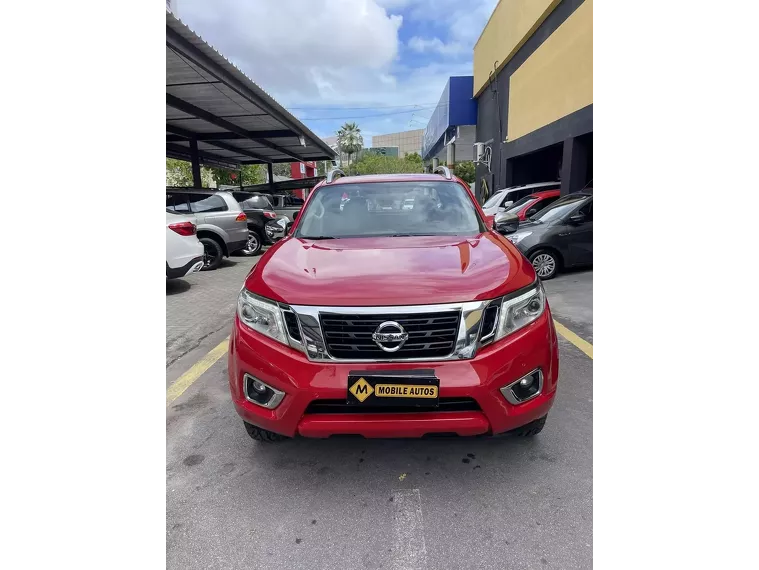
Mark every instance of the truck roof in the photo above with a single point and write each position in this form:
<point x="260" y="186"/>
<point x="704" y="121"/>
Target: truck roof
<point x="411" y="177"/>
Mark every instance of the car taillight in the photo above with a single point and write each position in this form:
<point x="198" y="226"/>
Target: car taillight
<point x="184" y="228"/>
<point x="241" y="217"/>
<point x="270" y="215"/>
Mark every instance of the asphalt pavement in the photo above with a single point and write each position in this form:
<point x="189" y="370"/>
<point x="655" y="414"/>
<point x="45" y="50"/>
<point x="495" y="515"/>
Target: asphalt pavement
<point x="502" y="502"/>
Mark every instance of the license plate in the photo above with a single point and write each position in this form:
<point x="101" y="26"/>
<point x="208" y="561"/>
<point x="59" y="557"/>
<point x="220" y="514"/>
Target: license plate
<point x="393" y="388"/>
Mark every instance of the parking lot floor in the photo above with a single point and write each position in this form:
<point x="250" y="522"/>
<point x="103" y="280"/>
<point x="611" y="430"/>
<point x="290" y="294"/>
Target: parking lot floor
<point x="502" y="502"/>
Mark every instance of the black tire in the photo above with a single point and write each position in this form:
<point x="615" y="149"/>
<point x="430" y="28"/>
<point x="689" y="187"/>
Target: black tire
<point x="260" y="434"/>
<point x="213" y="253"/>
<point x="531" y="429"/>
<point x="254" y="245"/>
<point x="545" y="261"/>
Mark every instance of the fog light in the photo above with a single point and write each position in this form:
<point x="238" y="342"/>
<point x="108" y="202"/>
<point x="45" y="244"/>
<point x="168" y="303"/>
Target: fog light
<point x="260" y="393"/>
<point x="524" y="389"/>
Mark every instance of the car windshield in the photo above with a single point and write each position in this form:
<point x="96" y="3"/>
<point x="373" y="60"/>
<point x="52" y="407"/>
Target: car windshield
<point x="559" y="208"/>
<point x="493" y="200"/>
<point x="377" y="209"/>
<point x="516" y="206"/>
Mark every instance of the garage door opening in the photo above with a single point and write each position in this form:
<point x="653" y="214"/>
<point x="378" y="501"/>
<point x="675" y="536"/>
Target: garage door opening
<point x="543" y="165"/>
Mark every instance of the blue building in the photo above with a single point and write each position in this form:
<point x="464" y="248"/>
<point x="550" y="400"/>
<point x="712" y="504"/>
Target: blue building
<point x="450" y="131"/>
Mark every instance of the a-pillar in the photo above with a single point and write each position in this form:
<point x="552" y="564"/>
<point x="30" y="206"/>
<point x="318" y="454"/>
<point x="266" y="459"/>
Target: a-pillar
<point x="574" y="166"/>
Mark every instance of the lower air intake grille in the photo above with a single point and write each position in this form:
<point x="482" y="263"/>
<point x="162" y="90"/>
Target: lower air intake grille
<point x="341" y="407"/>
<point x="431" y="335"/>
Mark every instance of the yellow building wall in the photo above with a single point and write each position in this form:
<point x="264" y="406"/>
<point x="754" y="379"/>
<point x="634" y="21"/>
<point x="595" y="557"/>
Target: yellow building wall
<point x="557" y="79"/>
<point x="510" y="25"/>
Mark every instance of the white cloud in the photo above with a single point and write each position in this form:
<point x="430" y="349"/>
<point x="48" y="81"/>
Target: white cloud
<point x="423" y="45"/>
<point x="294" y="53"/>
<point x="341" y="52"/>
<point x="394" y="4"/>
<point x="464" y="20"/>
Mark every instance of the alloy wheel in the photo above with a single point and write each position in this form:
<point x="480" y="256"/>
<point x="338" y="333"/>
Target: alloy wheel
<point x="544" y="265"/>
<point x="252" y="244"/>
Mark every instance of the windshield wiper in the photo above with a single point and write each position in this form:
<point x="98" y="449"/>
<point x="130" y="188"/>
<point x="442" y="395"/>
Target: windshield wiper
<point x="411" y="235"/>
<point x="317" y="237"/>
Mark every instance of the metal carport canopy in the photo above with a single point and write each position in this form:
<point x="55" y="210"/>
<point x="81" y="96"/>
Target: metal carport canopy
<point x="217" y="116"/>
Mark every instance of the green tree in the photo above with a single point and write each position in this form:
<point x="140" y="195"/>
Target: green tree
<point x="465" y="171"/>
<point x="282" y="169"/>
<point x="179" y="173"/>
<point x="349" y="140"/>
<point x="378" y="164"/>
<point x="414" y="157"/>
<point x="250" y="173"/>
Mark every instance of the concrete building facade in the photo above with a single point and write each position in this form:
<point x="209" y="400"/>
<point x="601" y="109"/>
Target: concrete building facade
<point x="406" y="141"/>
<point x="533" y="82"/>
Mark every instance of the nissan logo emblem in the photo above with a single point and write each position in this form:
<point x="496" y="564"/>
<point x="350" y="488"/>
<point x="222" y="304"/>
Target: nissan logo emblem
<point x="390" y="333"/>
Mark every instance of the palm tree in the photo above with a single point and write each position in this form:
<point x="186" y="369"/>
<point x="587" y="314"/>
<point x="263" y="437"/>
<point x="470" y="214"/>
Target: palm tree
<point x="349" y="140"/>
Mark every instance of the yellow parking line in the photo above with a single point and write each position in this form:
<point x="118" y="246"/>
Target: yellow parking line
<point x="197" y="370"/>
<point x="580" y="343"/>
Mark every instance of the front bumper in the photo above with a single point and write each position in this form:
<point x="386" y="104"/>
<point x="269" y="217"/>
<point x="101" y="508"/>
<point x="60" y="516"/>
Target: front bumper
<point x="480" y="378"/>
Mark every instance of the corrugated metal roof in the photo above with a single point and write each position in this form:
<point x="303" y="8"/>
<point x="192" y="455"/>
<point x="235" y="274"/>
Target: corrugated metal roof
<point x="210" y="100"/>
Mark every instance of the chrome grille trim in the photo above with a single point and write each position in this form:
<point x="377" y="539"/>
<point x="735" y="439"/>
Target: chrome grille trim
<point x="315" y="347"/>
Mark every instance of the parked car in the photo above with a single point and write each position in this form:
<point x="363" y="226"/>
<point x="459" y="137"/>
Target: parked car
<point x="260" y="212"/>
<point x="184" y="253"/>
<point x="276" y="229"/>
<point x="532" y="204"/>
<point x="558" y="237"/>
<point x="392" y="322"/>
<point x="285" y="204"/>
<point x="501" y="200"/>
<point x="222" y="225"/>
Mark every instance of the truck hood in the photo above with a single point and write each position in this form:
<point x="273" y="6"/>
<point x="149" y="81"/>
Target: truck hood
<point x="390" y="270"/>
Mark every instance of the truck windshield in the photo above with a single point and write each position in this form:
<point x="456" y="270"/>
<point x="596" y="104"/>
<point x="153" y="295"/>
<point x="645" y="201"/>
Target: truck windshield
<point x="390" y="209"/>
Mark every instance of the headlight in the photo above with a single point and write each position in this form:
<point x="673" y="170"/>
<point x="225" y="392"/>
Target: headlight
<point x="517" y="237"/>
<point x="520" y="311"/>
<point x="261" y="315"/>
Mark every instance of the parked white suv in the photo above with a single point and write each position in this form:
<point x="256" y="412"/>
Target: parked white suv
<point x="501" y="200"/>
<point x="222" y="225"/>
<point x="184" y="253"/>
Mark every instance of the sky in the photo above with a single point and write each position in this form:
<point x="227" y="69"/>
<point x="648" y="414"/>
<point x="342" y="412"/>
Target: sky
<point x="380" y="63"/>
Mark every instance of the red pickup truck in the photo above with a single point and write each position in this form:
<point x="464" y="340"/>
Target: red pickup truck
<point x="400" y="321"/>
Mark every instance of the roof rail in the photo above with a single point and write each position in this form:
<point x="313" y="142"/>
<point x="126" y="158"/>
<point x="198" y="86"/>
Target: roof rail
<point x="331" y="174"/>
<point x="444" y="171"/>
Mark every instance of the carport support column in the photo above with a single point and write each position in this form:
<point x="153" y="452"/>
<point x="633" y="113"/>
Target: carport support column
<point x="435" y="163"/>
<point x="574" y="166"/>
<point x="270" y="172"/>
<point x="195" y="161"/>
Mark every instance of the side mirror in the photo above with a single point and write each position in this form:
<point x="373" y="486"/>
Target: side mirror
<point x="489" y="222"/>
<point x="531" y="212"/>
<point x="295" y="215"/>
<point x="506" y="223"/>
<point x="289" y="227"/>
<point x="577" y="219"/>
<point x="506" y="205"/>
